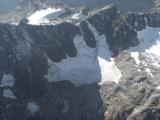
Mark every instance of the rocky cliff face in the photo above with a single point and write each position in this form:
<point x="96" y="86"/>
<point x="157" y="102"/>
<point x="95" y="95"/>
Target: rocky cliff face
<point x="103" y="67"/>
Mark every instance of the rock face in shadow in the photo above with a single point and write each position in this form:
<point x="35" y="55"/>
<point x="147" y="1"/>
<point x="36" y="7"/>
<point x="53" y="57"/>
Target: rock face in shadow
<point x="27" y="50"/>
<point x="62" y="100"/>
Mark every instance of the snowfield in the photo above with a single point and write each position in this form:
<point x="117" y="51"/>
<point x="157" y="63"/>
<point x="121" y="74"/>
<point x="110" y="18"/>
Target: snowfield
<point x="82" y="69"/>
<point x="90" y="65"/>
<point x="53" y="16"/>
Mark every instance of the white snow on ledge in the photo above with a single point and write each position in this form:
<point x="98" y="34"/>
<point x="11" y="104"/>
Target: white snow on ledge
<point x="89" y="66"/>
<point x="38" y="17"/>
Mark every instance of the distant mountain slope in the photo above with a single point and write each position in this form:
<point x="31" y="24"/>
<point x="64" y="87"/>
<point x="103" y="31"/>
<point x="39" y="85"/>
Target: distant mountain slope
<point x="125" y="5"/>
<point x="16" y="10"/>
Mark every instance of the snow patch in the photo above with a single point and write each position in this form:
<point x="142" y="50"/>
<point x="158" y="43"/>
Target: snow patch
<point x="135" y="55"/>
<point x="109" y="71"/>
<point x="158" y="87"/>
<point x="8" y="94"/>
<point x="149" y="72"/>
<point x="37" y="17"/>
<point x="32" y="107"/>
<point x="7" y="80"/>
<point x="77" y="16"/>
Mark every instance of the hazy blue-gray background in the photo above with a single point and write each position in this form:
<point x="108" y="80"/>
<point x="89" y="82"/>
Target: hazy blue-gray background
<point x="122" y="4"/>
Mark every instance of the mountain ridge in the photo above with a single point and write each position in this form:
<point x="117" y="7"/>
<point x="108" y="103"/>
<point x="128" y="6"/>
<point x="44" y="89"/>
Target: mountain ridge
<point x="118" y="82"/>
